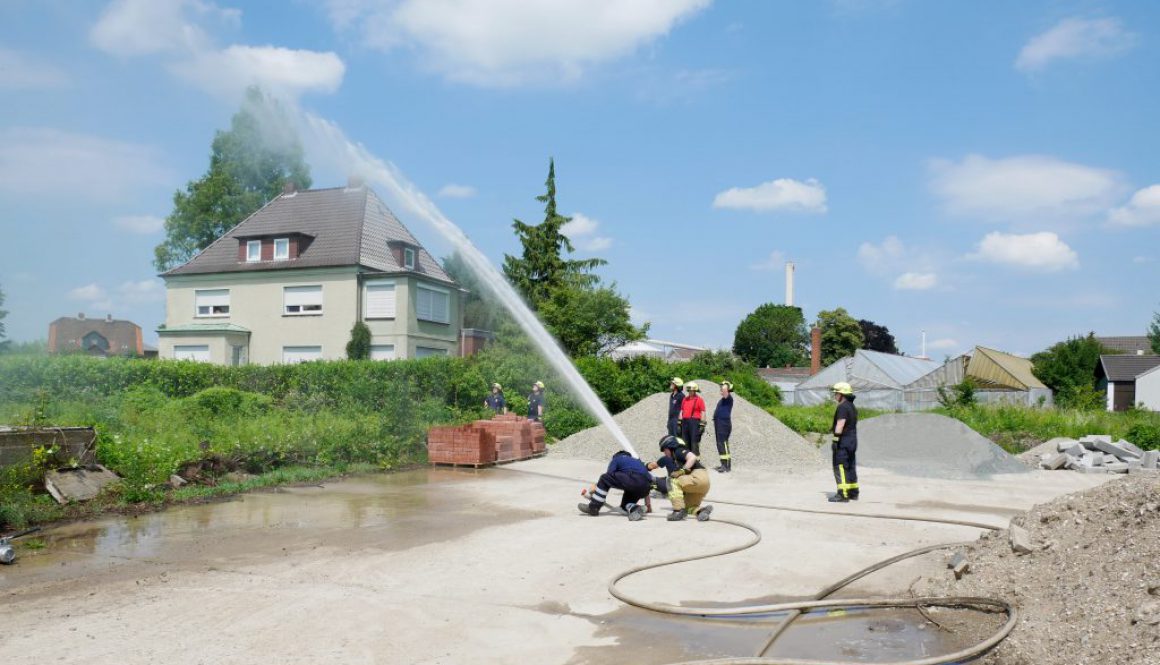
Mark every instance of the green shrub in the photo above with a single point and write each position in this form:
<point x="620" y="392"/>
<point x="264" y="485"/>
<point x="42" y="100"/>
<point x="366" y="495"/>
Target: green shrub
<point x="1145" y="435"/>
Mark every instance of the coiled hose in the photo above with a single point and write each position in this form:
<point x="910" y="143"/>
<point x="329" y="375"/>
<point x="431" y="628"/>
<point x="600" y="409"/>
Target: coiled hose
<point x="796" y="608"/>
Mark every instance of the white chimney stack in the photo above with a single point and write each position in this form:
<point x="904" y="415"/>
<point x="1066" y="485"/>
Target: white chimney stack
<point x="789" y="283"/>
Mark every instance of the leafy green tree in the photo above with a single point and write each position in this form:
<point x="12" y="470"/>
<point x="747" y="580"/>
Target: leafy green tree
<point x="841" y="334"/>
<point x="359" y="346"/>
<point x="1154" y="333"/>
<point x="542" y="267"/>
<point x="4" y="341"/>
<point x="586" y="316"/>
<point x="1069" y="369"/>
<point x="877" y="338"/>
<point x="248" y="166"/>
<point x="772" y="336"/>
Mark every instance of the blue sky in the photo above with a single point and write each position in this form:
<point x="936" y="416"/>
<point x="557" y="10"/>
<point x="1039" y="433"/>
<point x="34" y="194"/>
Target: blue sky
<point x="984" y="171"/>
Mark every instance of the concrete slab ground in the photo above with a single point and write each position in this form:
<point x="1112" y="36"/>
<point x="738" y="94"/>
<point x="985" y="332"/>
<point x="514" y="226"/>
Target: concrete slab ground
<point x="450" y="566"/>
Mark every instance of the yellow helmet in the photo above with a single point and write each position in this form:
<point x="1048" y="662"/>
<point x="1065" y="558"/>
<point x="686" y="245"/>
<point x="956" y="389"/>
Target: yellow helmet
<point x="676" y="381"/>
<point x="842" y="388"/>
<point x="727" y="384"/>
<point x="692" y="387"/>
<point x="539" y="384"/>
<point x="497" y="386"/>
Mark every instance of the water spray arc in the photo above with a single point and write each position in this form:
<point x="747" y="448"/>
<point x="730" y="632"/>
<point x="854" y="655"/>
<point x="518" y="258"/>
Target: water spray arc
<point x="359" y="161"/>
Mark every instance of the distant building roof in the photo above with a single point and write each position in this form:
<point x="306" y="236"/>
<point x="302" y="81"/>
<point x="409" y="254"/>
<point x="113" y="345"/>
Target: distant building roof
<point x="1127" y="344"/>
<point x="872" y="370"/>
<point x="1125" y="367"/>
<point x="995" y="369"/>
<point x="107" y="336"/>
<point x="656" y="348"/>
<point x="347" y="226"/>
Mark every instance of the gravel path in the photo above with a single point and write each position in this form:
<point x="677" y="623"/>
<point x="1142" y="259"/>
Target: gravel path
<point x="932" y="446"/>
<point x="1089" y="592"/>
<point x="759" y="440"/>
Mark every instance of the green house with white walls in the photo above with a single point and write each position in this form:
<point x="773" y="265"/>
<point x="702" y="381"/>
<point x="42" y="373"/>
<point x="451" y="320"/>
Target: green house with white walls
<point x="288" y="283"/>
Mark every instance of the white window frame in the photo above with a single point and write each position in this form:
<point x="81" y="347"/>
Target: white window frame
<point x="431" y="352"/>
<point x="432" y="316"/>
<point x="299" y="349"/>
<point x="302" y="305"/>
<point x="285" y="244"/>
<point x="383" y="352"/>
<point x="408" y="258"/>
<point x="215" y="308"/>
<point x="383" y="284"/>
<point x="253" y="251"/>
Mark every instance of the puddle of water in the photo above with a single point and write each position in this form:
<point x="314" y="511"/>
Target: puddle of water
<point x="389" y="512"/>
<point x="866" y="636"/>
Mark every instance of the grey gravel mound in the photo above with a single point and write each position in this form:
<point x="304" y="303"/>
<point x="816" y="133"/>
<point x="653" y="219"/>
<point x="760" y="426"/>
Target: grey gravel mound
<point x="758" y="440"/>
<point x="932" y="446"/>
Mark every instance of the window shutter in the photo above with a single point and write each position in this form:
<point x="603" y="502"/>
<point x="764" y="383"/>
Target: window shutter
<point x="303" y="295"/>
<point x="432" y="305"/>
<point x="213" y="298"/>
<point x="380" y="301"/>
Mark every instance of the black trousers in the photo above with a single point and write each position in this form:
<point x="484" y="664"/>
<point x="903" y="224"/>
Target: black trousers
<point x="846" y="469"/>
<point x="674" y="426"/>
<point x="635" y="486"/>
<point x="691" y="433"/>
<point x="722" y="429"/>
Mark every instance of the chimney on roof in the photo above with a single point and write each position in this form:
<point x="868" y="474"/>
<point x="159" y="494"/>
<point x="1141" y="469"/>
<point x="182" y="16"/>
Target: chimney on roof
<point x="355" y="182"/>
<point x="815" y="350"/>
<point x="289" y="187"/>
<point x="81" y="316"/>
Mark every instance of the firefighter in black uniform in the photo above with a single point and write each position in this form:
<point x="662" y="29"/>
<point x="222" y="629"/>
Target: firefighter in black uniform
<point x="687" y="482"/>
<point x="845" y="444"/>
<point x="495" y="401"/>
<point x="676" y="397"/>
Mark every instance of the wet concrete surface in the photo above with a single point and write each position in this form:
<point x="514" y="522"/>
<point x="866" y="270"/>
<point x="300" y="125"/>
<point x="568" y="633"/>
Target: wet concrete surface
<point x="387" y="512"/>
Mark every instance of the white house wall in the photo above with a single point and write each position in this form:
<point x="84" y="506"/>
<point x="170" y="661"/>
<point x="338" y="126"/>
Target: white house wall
<point x="1148" y="389"/>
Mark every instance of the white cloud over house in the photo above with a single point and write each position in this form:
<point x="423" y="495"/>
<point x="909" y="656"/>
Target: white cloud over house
<point x="498" y="43"/>
<point x="1075" y="38"/>
<point x="780" y="195"/>
<point x="1142" y="210"/>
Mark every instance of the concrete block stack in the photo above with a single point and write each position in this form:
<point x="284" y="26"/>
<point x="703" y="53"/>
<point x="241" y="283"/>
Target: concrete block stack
<point x="1097" y="453"/>
<point x="504" y="438"/>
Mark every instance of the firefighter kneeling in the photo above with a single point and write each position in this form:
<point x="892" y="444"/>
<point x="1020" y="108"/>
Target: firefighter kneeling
<point x="687" y="482"/>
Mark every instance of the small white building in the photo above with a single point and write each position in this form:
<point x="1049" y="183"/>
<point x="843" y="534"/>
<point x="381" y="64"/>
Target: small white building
<point x="1148" y="389"/>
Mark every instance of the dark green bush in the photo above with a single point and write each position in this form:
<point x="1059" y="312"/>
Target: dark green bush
<point x="1145" y="435"/>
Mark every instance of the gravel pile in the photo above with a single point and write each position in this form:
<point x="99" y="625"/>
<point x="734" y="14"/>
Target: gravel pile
<point x="758" y="441"/>
<point x="930" y="445"/>
<point x="1087" y="592"/>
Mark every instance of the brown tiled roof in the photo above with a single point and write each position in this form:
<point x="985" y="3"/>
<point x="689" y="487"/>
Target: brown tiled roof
<point x="1126" y="344"/>
<point x="67" y="334"/>
<point x="349" y="226"/>
<point x="1126" y="367"/>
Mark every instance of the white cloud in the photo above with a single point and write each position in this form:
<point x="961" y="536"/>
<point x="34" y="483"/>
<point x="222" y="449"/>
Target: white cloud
<point x="1143" y="259"/>
<point x="683" y="85"/>
<point x="144" y="27"/>
<point x="882" y="257"/>
<point x="1024" y="187"/>
<point x="21" y="72"/>
<point x="581" y="230"/>
<point x="88" y="292"/>
<point x="781" y="194"/>
<point x="139" y="223"/>
<point x="944" y="343"/>
<point x="1043" y="251"/>
<point x="916" y="281"/>
<point x="62" y="164"/>
<point x="454" y="191"/>
<point x="1075" y="38"/>
<point x="288" y="72"/>
<point x="144" y="291"/>
<point x="512" y="42"/>
<point x="1142" y="210"/>
<point x="775" y="261"/>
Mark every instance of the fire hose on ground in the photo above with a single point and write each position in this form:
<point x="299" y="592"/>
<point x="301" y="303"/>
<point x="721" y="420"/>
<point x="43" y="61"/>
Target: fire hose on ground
<point x="820" y="602"/>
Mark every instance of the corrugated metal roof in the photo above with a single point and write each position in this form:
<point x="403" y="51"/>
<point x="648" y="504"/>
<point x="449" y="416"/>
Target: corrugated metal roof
<point x="872" y="370"/>
<point x="904" y="370"/>
<point x="1127" y="367"/>
<point x="349" y="226"/>
<point x="1003" y="370"/>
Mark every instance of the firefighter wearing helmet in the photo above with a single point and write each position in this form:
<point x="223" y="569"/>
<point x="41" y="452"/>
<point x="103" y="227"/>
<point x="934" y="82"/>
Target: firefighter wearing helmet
<point x="845" y="444"/>
<point x="693" y="417"/>
<point x="687" y="482"/>
<point x="676" y="397"/>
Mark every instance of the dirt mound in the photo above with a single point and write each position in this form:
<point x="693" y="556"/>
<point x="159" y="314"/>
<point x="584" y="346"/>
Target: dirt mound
<point x="1089" y="592"/>
<point x="758" y="439"/>
<point x="930" y="445"/>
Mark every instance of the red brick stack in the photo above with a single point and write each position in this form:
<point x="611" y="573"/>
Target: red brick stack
<point x="468" y="445"/>
<point x="504" y="438"/>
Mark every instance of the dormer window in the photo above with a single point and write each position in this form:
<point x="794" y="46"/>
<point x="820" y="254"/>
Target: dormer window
<point x="253" y="251"/>
<point x="281" y="249"/>
<point x="408" y="258"/>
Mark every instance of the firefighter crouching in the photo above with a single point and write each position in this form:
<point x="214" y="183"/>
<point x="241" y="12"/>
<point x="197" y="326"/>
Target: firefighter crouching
<point x="687" y="482"/>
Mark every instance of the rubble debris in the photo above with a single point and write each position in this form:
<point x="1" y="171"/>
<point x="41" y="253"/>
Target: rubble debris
<point x="79" y="484"/>
<point x="1020" y="540"/>
<point x="1094" y="453"/>
<point x="176" y="481"/>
